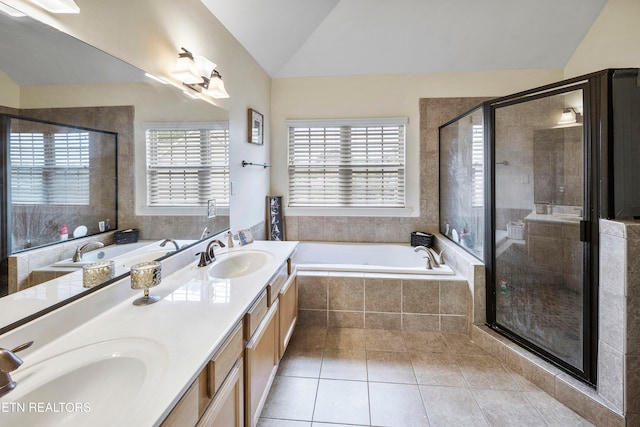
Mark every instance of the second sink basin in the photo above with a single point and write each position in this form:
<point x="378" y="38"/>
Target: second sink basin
<point x="237" y="264"/>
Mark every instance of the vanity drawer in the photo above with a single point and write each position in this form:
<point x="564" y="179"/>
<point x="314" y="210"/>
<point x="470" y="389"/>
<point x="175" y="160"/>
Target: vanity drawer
<point x="254" y="315"/>
<point x="186" y="412"/>
<point x="223" y="361"/>
<point x="276" y="283"/>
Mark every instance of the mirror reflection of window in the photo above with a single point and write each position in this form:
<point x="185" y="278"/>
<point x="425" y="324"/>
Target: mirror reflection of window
<point x="187" y="164"/>
<point x="50" y="168"/>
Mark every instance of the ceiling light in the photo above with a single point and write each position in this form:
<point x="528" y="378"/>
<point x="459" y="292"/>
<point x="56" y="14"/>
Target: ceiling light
<point x="58" y="6"/>
<point x="5" y="8"/>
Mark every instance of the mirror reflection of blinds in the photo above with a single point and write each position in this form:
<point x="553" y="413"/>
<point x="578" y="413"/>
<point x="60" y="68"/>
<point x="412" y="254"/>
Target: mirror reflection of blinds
<point x="348" y="164"/>
<point x="187" y="167"/>
<point x="50" y="168"/>
<point x="477" y="166"/>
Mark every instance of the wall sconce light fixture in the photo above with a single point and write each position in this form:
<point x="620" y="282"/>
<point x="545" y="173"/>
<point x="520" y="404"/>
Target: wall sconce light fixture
<point x="58" y="6"/>
<point x="569" y="116"/>
<point x="199" y="74"/>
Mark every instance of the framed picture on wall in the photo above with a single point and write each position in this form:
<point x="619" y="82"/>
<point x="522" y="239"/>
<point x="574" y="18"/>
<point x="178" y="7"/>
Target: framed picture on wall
<point x="256" y="127"/>
<point x="275" y="218"/>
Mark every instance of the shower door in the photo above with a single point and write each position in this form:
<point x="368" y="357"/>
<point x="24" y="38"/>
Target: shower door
<point x="540" y="259"/>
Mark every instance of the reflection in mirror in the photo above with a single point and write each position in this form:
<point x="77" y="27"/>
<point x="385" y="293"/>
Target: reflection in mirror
<point x="62" y="180"/>
<point x="49" y="76"/>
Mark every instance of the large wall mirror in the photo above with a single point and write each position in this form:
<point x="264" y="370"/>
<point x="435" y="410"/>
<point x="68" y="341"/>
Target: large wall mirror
<point x="51" y="81"/>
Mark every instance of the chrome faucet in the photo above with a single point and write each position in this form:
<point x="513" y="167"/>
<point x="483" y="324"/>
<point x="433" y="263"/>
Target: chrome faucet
<point x="165" y="241"/>
<point x="9" y="362"/>
<point x="207" y="256"/>
<point x="86" y="248"/>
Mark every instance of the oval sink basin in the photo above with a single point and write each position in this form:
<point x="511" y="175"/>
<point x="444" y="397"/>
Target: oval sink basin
<point x="237" y="264"/>
<point x="99" y="384"/>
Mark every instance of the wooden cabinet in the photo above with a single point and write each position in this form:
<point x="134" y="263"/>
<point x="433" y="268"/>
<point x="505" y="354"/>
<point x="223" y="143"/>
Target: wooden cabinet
<point x="261" y="358"/>
<point x="227" y="407"/>
<point x="232" y="389"/>
<point x="216" y="397"/>
<point x="288" y="312"/>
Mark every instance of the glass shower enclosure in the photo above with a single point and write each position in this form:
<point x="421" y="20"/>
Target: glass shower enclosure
<point x="524" y="182"/>
<point x="540" y="260"/>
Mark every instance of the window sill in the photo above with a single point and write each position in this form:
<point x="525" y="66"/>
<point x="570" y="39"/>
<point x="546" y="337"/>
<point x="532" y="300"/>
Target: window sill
<point x="179" y="211"/>
<point x="332" y="211"/>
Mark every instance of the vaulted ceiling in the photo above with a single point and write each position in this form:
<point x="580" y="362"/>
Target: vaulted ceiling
<point x="295" y="38"/>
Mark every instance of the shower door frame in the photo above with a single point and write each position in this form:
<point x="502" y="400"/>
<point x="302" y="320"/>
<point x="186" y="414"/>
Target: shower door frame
<point x="595" y="144"/>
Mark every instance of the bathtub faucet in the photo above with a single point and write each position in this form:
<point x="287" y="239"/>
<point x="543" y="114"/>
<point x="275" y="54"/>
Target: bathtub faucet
<point x="434" y="259"/>
<point x="80" y="250"/>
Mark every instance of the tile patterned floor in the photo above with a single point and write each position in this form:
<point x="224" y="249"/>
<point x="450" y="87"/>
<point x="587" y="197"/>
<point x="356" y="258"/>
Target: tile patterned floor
<point x="364" y="377"/>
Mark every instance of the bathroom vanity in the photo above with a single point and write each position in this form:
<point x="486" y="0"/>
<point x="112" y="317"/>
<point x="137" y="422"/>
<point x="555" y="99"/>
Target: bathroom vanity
<point x="205" y="354"/>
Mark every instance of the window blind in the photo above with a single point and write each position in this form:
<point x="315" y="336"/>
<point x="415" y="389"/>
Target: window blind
<point x="187" y="164"/>
<point x="354" y="164"/>
<point x="50" y="168"/>
<point x="477" y="166"/>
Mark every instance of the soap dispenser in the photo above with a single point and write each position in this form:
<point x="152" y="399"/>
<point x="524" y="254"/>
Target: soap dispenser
<point x="229" y="239"/>
<point x="64" y="232"/>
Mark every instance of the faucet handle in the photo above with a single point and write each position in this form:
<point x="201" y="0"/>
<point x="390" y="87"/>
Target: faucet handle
<point x="22" y="347"/>
<point x="8" y="359"/>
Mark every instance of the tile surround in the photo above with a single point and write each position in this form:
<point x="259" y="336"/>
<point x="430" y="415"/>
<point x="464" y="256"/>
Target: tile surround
<point x="383" y="303"/>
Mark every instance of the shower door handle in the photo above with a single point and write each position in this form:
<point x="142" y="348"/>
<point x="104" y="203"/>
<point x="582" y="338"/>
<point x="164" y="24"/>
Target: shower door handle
<point x="585" y="231"/>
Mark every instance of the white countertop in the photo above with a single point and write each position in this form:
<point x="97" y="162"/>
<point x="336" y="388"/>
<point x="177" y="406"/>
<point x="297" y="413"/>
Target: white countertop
<point x="188" y="324"/>
<point x="26" y="302"/>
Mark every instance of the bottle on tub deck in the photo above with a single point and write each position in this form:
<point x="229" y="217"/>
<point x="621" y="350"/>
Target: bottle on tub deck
<point x="64" y="232"/>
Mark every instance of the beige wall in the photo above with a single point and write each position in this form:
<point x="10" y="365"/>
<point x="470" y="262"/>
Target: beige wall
<point x="10" y="93"/>
<point x="148" y="34"/>
<point x="611" y="42"/>
<point x="385" y="96"/>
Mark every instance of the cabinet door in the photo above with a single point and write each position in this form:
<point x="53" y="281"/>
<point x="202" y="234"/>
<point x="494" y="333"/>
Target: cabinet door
<point x="227" y="407"/>
<point x="288" y="312"/>
<point x="261" y="356"/>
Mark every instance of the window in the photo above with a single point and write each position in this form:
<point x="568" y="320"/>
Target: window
<point x="477" y="165"/>
<point x="187" y="164"/>
<point x="50" y="168"/>
<point x="347" y="163"/>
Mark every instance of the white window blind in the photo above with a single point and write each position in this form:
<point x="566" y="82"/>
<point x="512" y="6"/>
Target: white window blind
<point x="347" y="163"/>
<point x="50" y="168"/>
<point x="187" y="164"/>
<point x="477" y="166"/>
